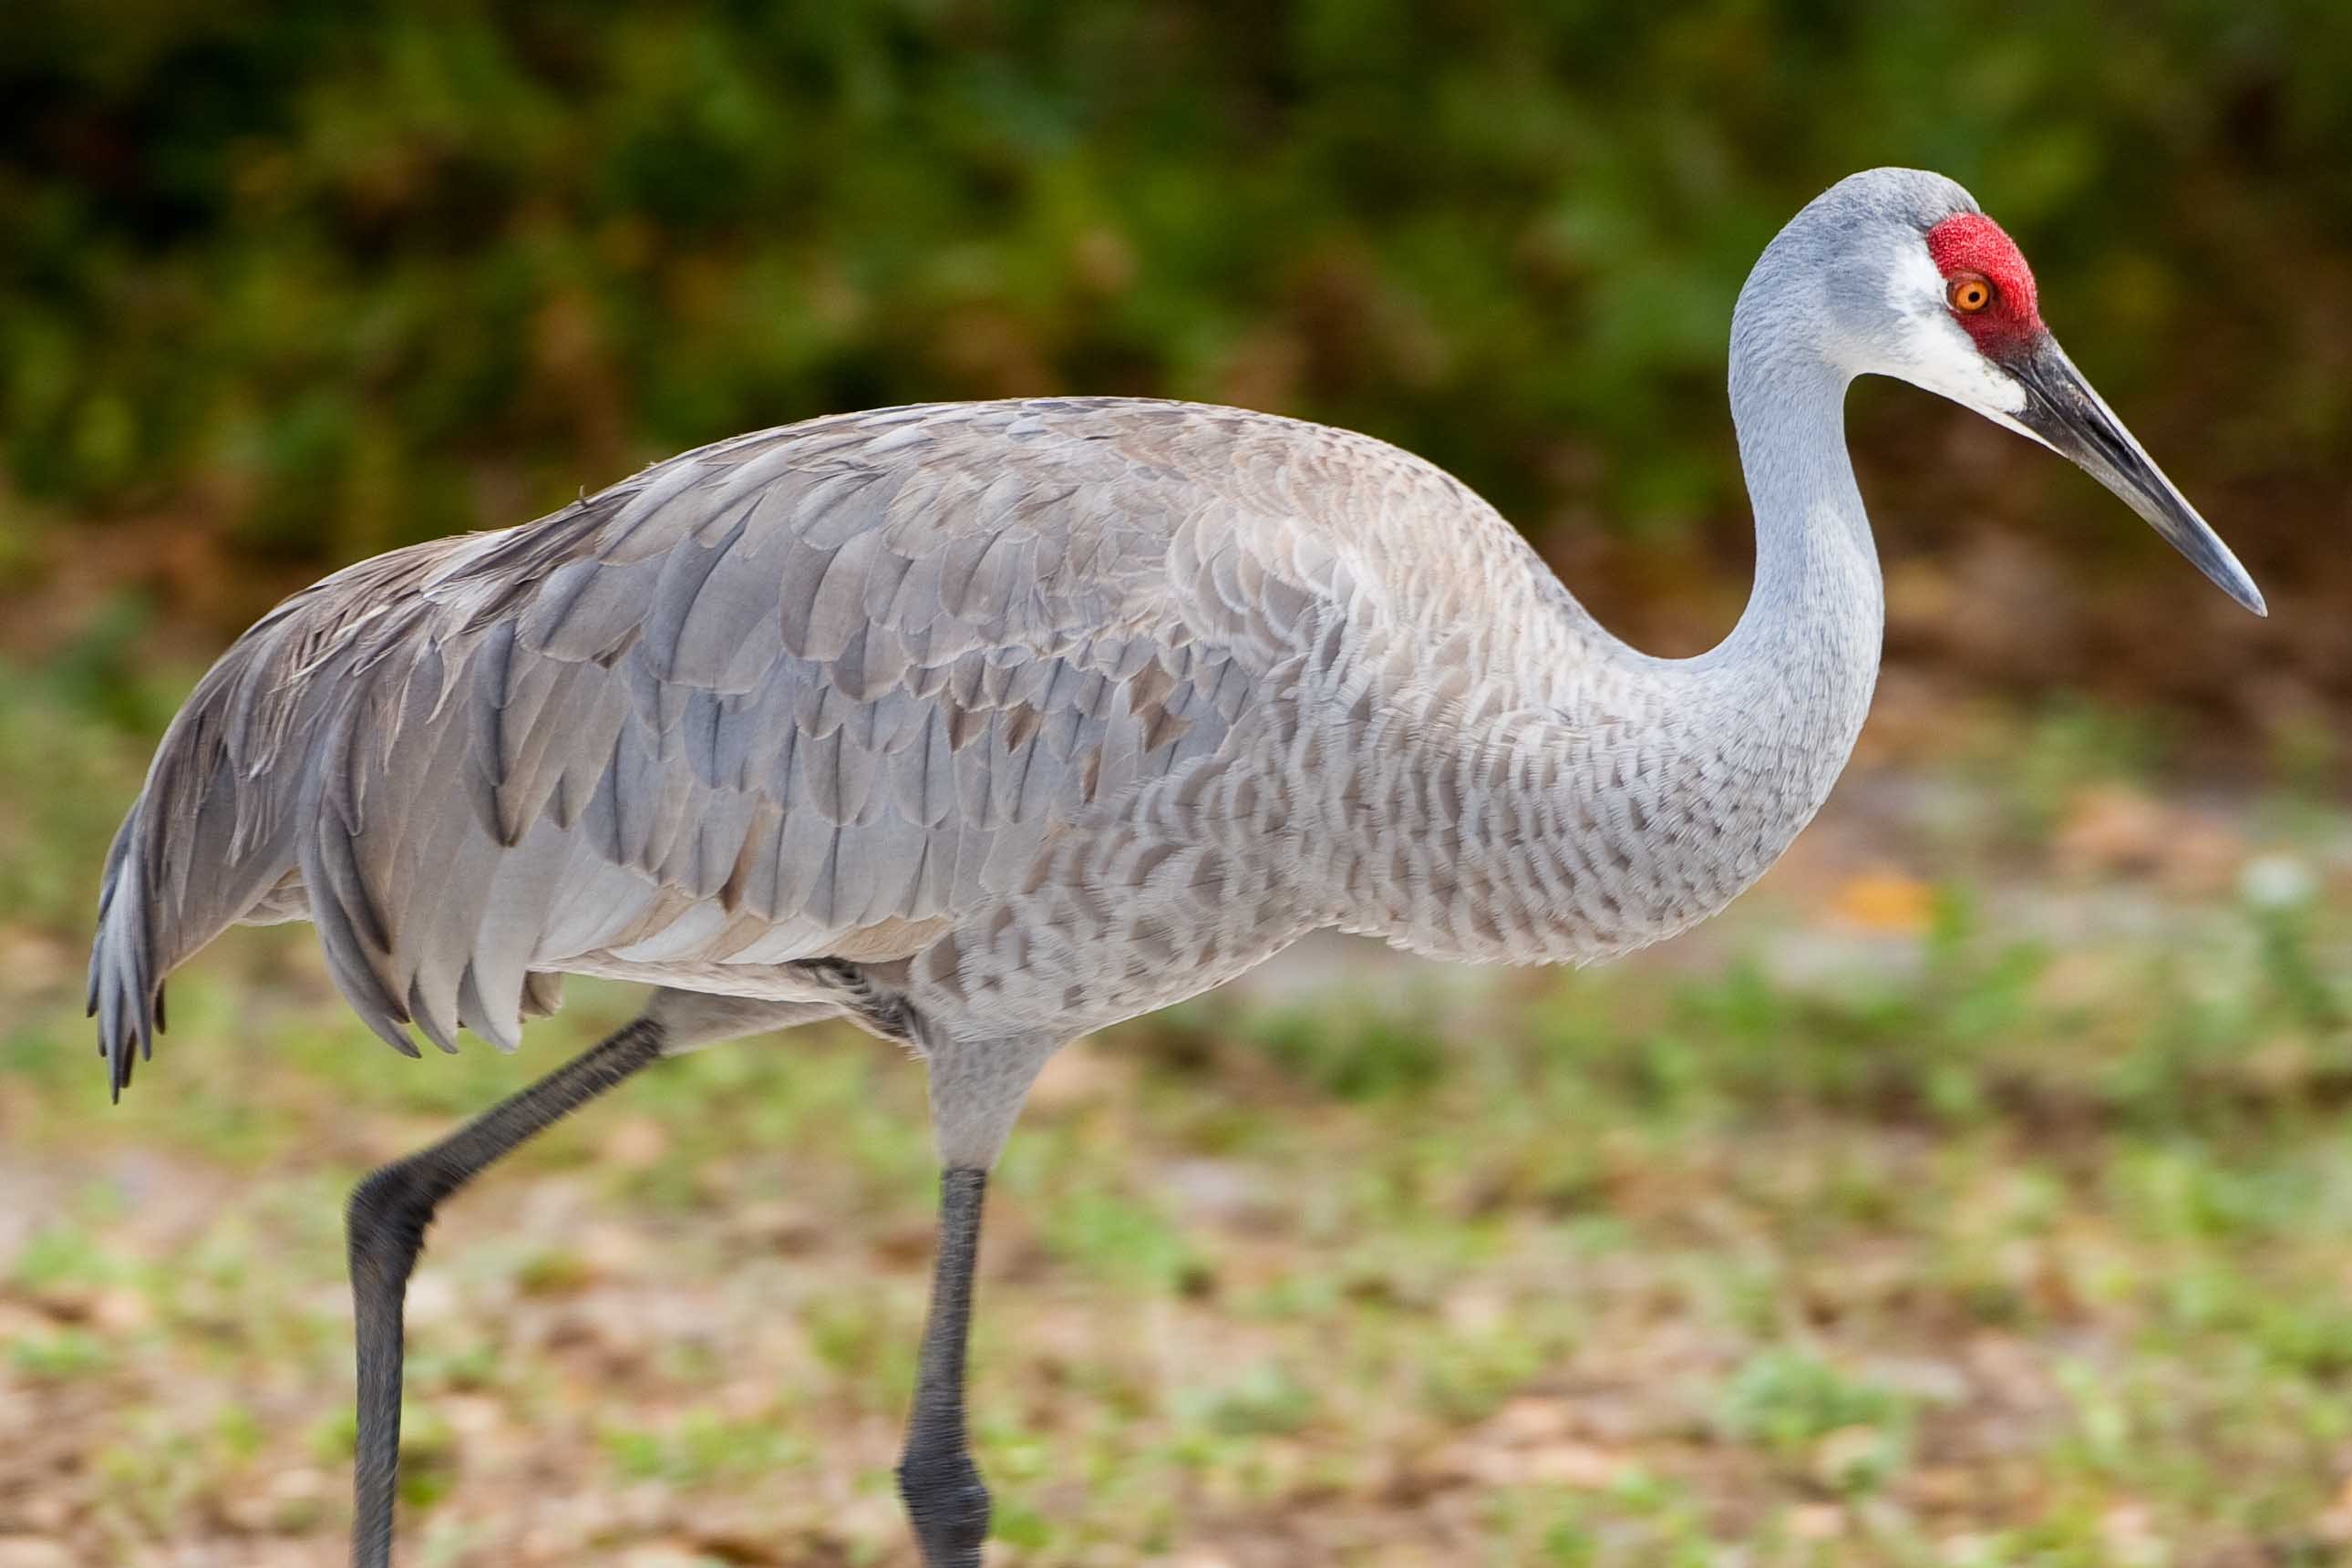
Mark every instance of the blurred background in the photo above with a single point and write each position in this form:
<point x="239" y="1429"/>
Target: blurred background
<point x="1975" y="1193"/>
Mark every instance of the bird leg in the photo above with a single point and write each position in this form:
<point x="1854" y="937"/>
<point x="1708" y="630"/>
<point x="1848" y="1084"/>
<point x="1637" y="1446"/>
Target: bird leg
<point x="941" y="1486"/>
<point x="976" y="1091"/>
<point x="389" y="1211"/>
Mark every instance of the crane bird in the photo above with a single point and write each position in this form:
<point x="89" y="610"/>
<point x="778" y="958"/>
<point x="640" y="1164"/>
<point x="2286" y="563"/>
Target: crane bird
<point x="985" y="725"/>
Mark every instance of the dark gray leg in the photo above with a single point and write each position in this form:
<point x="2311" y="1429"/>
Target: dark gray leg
<point x="389" y="1211"/>
<point x="942" y="1488"/>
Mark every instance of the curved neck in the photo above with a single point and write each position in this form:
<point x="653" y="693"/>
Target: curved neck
<point x="1818" y="595"/>
<point x="1608" y="798"/>
<point x="1778" y="704"/>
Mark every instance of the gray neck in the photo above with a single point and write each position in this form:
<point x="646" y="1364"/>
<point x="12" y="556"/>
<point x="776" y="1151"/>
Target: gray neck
<point x="1815" y="616"/>
<point x="1744" y="742"/>
<point x="1617" y="798"/>
<point x="1771" y="713"/>
<point x="1756" y="731"/>
<point x="1693" y="775"/>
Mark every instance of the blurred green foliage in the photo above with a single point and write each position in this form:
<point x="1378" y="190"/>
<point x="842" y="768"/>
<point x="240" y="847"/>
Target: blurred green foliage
<point x="330" y="277"/>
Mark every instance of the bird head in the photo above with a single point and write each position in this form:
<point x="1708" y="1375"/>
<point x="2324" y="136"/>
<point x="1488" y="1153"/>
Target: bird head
<point x="1920" y="284"/>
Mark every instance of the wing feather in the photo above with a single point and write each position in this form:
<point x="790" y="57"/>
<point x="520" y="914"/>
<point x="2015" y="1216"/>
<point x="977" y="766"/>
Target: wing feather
<point x="746" y="704"/>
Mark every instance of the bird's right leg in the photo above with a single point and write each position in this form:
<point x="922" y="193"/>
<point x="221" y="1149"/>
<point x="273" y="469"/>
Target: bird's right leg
<point x="976" y="1093"/>
<point x="391" y="1208"/>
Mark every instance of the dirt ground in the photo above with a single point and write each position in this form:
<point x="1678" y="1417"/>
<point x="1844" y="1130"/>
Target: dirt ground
<point x="1973" y="1194"/>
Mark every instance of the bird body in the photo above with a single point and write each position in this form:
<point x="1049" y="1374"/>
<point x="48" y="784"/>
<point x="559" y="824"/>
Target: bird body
<point x="1035" y="713"/>
<point x="985" y="725"/>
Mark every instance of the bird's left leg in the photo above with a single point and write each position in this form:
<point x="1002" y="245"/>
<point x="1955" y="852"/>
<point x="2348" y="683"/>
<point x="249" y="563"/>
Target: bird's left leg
<point x="390" y="1210"/>
<point x="977" y="1089"/>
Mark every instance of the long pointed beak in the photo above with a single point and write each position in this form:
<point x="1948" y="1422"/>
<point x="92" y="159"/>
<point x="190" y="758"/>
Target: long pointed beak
<point x="2062" y="412"/>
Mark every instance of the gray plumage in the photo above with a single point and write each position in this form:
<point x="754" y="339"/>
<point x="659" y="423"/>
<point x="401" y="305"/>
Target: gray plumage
<point x="1025" y="697"/>
<point x="1031" y="715"/>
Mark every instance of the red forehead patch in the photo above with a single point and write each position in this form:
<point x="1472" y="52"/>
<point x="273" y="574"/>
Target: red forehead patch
<point x="1972" y="242"/>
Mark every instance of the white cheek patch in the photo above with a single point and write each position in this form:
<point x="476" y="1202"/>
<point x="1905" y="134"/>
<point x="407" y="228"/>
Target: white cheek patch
<point x="1951" y="364"/>
<point x="1931" y="349"/>
<point x="1913" y="283"/>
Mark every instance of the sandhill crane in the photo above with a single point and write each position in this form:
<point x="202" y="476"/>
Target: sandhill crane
<point x="985" y="725"/>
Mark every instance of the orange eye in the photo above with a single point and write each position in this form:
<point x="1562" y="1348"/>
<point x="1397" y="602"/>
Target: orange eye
<point x="1969" y="293"/>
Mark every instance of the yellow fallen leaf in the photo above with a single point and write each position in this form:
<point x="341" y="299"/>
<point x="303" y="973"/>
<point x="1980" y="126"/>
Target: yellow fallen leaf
<point x="1887" y="901"/>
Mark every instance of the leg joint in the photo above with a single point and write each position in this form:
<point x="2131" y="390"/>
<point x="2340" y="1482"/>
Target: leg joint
<point x="946" y="1500"/>
<point x="390" y="1209"/>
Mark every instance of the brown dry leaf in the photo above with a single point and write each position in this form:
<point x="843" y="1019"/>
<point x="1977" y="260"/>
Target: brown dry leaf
<point x="907" y="1244"/>
<point x="2281" y="1065"/>
<point x="2201" y="857"/>
<point x="1816" y="1521"/>
<point x="2334" y="1525"/>
<point x="1888" y="901"/>
<point x="1468" y="1309"/>
<point x="2112" y="828"/>
<point x="2130" y="1535"/>
<point x="1530" y="1420"/>
<point x="121" y="1310"/>
<point x="1585" y="1467"/>
<point x="33" y="1551"/>
<point x="665" y="1554"/>
<point x="637" y="1144"/>
<point x="1578" y="1465"/>
<point x="2078" y="978"/>
<point x="43" y="1512"/>
<point x="1944" y="1487"/>
<point x="781" y="1224"/>
<point x="613" y="1251"/>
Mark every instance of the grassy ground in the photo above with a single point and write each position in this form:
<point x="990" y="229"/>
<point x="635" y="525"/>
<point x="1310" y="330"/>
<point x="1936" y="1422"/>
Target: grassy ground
<point x="1980" y="1191"/>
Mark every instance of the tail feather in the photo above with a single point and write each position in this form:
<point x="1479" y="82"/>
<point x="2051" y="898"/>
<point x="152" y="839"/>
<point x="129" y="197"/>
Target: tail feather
<point x="215" y="836"/>
<point x="187" y="862"/>
<point x="125" y="994"/>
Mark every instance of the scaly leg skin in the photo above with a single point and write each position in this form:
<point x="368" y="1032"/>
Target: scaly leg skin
<point x="942" y="1488"/>
<point x="389" y="1211"/>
